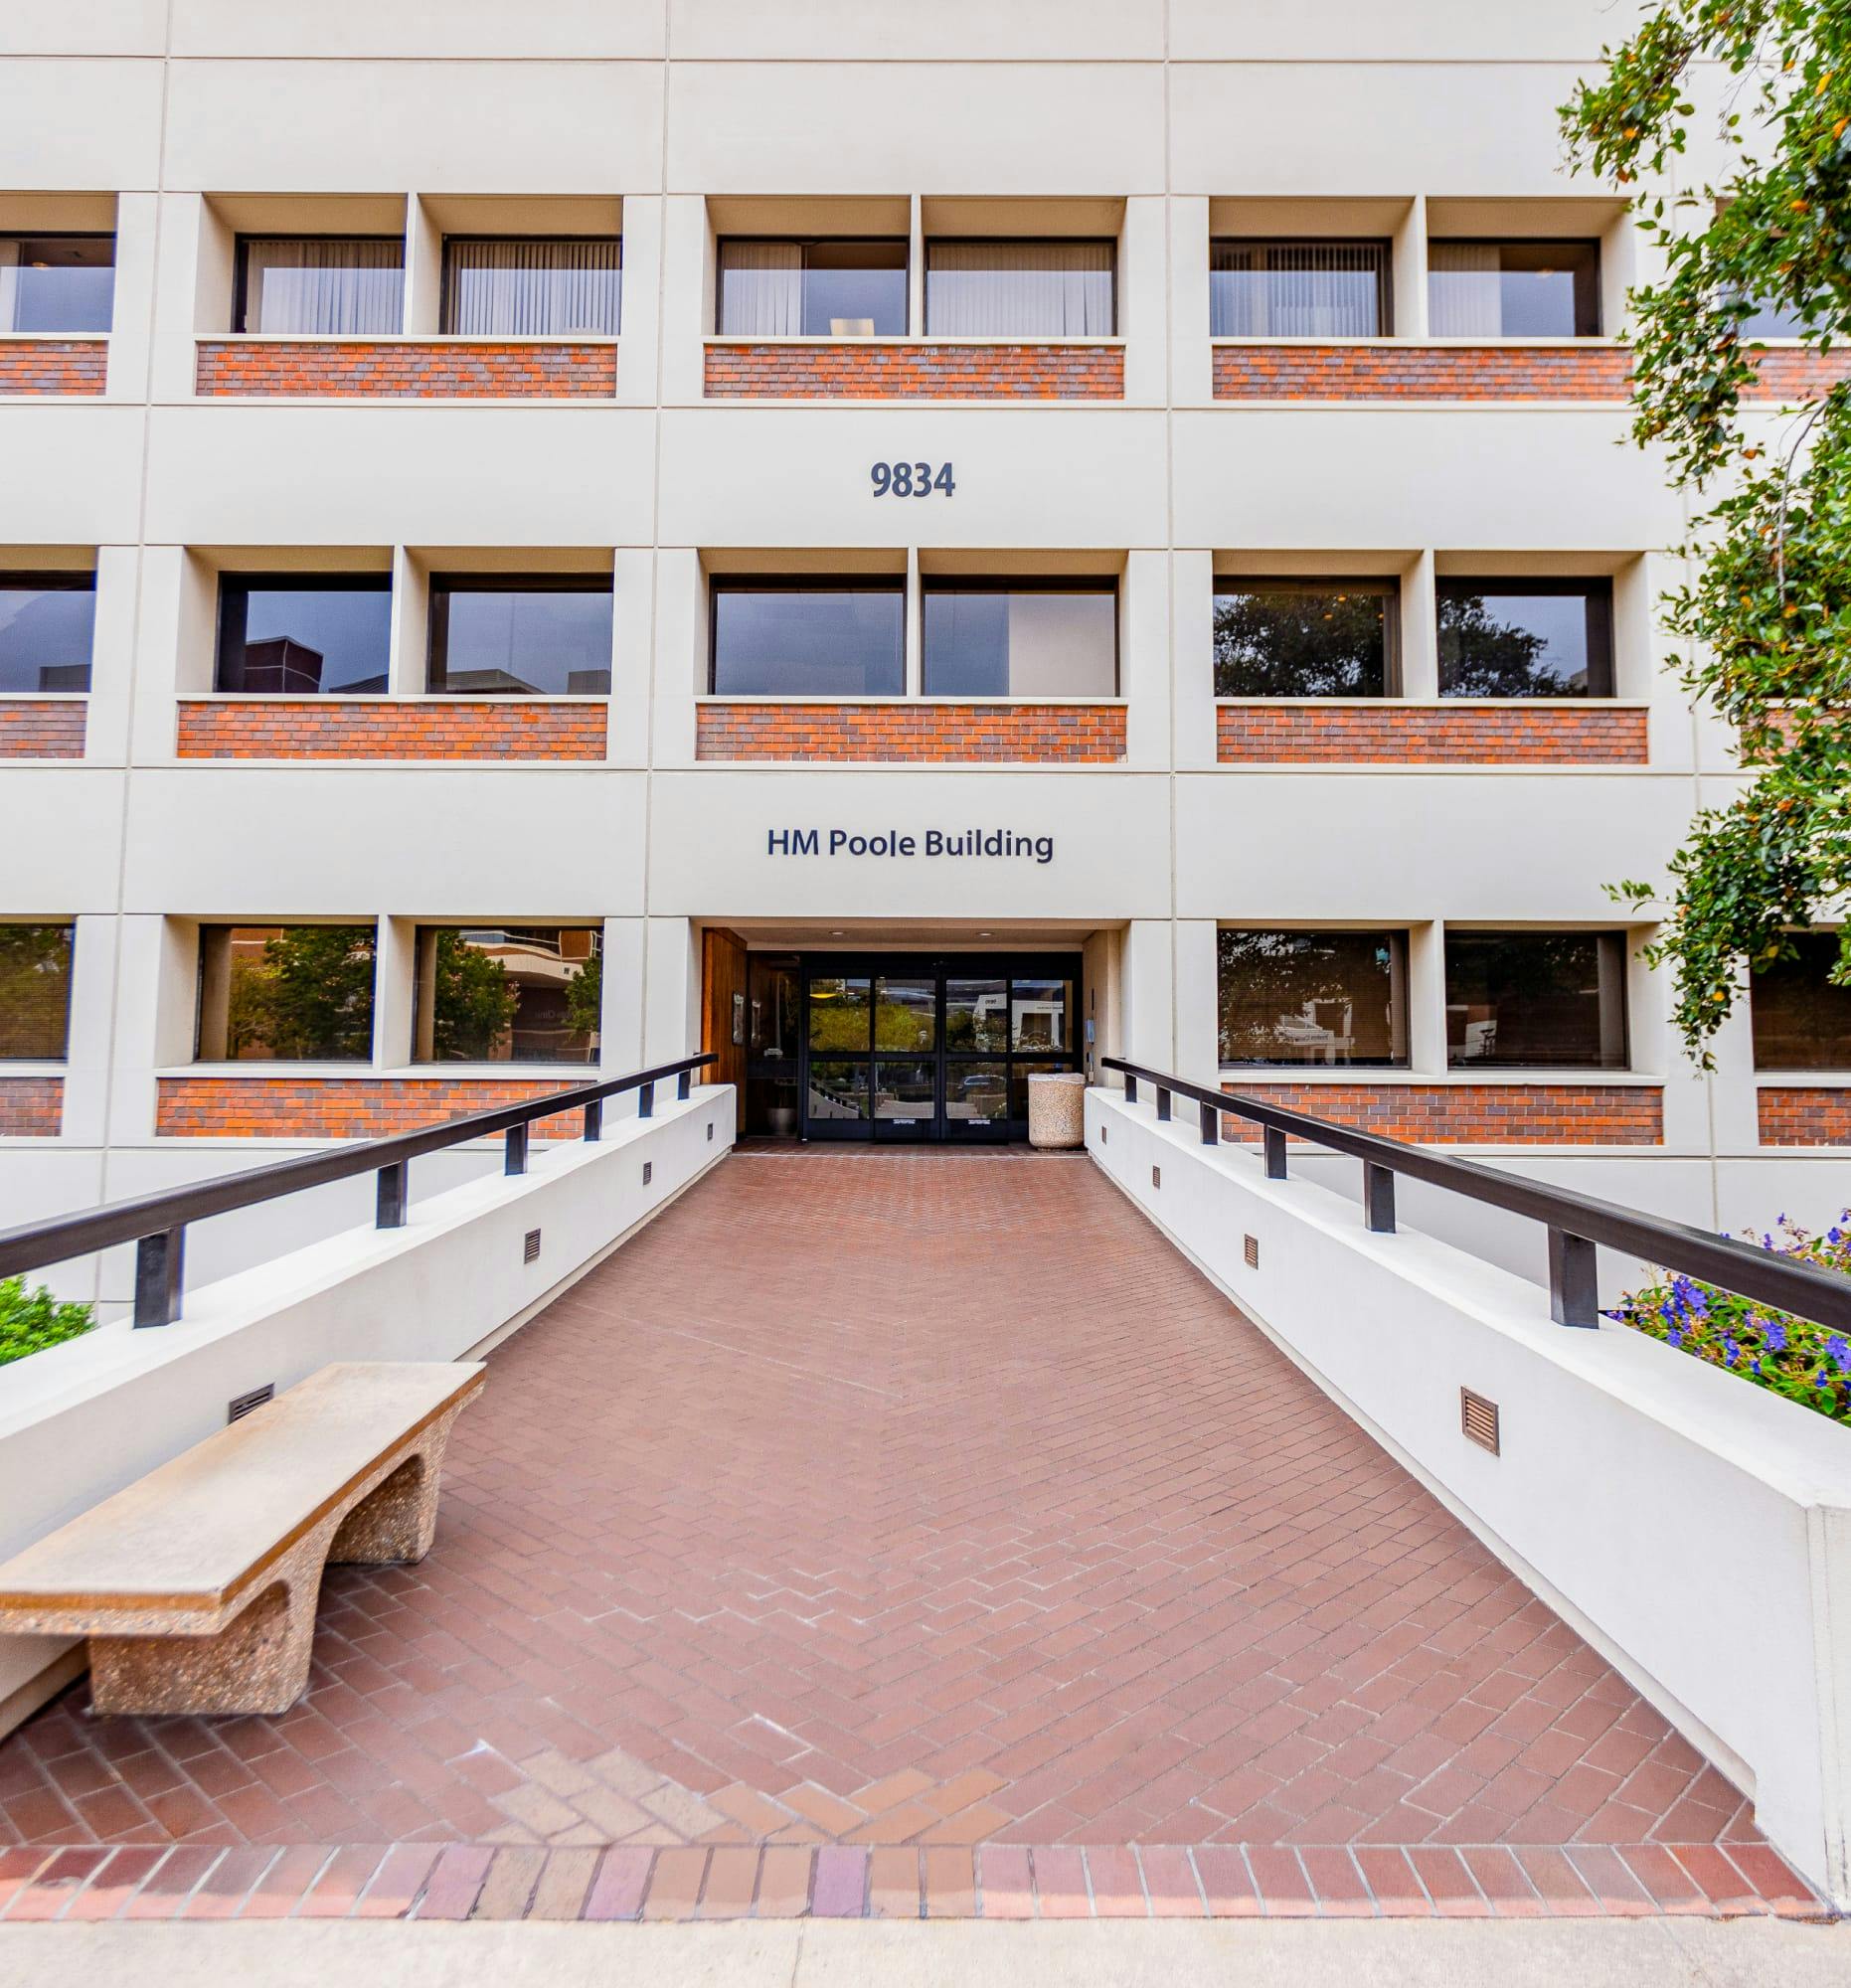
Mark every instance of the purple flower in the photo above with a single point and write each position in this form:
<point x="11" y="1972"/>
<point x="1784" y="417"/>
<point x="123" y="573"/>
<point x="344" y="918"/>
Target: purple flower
<point x="1775" y="1334"/>
<point x="1839" y="1352"/>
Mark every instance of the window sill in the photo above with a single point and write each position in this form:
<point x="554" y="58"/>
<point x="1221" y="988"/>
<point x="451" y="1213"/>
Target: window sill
<point x="43" y="1067"/>
<point x="1806" y="1080"/>
<point x="1006" y="342"/>
<point x="459" y="338"/>
<point x="44" y="696"/>
<point x="1442" y="702"/>
<point x="569" y="1074"/>
<point x="1577" y="342"/>
<point x="52" y="337"/>
<point x="925" y="700"/>
<point x="1334" y="1074"/>
<point x="357" y="700"/>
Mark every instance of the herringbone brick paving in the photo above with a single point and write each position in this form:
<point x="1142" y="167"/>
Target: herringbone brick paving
<point x="910" y="1499"/>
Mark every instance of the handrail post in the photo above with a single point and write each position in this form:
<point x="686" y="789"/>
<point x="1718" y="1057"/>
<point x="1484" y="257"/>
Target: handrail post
<point x="1211" y="1123"/>
<point x="1163" y="1105"/>
<point x="594" y="1119"/>
<point x="1379" y="1198"/>
<point x="389" y="1204"/>
<point x="514" y="1153"/>
<point x="1130" y="1089"/>
<point x="159" y="1268"/>
<point x="1573" y="1283"/>
<point x="645" y="1101"/>
<point x="1275" y="1153"/>
<point x="681" y="1083"/>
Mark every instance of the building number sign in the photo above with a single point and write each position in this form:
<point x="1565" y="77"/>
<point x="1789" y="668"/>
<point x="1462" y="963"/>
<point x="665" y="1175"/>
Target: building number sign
<point x="911" y="479"/>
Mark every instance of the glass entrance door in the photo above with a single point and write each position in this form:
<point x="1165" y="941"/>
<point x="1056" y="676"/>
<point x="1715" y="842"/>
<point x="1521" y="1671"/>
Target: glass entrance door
<point x="904" y="1049"/>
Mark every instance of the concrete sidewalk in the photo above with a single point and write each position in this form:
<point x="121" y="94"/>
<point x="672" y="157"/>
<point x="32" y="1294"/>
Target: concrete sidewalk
<point x="1641" y="1953"/>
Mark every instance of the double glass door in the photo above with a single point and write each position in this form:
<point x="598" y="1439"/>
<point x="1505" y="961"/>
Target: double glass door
<point x="911" y="1049"/>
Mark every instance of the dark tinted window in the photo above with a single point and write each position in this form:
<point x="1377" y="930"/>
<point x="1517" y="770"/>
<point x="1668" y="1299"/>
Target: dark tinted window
<point x="285" y="993"/>
<point x="1536" y="1000"/>
<point x="493" y="637"/>
<point x="508" y="994"/>
<point x="47" y="620"/>
<point x="35" y="992"/>
<point x="1526" y="638"/>
<point x="1513" y="289"/>
<point x="1020" y="639"/>
<point x="1800" y="1020"/>
<point x="1305" y="637"/>
<point x="1295" y="997"/>
<point x="813" y="289"/>
<point x="1298" y="290"/>
<point x="57" y="282"/>
<point x="301" y="635"/>
<point x="530" y="288"/>
<point x="810" y="640"/>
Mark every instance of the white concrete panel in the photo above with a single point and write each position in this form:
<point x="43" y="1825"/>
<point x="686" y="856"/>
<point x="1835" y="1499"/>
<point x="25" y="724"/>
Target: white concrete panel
<point x="709" y="855"/>
<point x="478" y="842"/>
<point x="581" y="29"/>
<point x="60" y="831"/>
<point x="432" y="127"/>
<point x="1407" y="846"/>
<point x="917" y="31"/>
<point x="97" y="27"/>
<point x="83" y="465"/>
<point x="1024" y="477"/>
<point x="1441" y="31"/>
<point x="1522" y="478"/>
<point x="79" y="127"/>
<point x="1068" y="129"/>
<point x="399" y="474"/>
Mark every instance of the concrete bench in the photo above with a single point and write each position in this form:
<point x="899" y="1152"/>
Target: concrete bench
<point x="197" y="1586"/>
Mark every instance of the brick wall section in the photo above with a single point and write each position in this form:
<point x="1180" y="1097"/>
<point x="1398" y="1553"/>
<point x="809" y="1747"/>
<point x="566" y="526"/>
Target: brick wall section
<point x="1473" y="1114"/>
<point x="346" y="1107"/>
<point x="378" y="368"/>
<point x="339" y="728"/>
<point x="1475" y="373"/>
<point x="30" y="1107"/>
<point x="863" y="371"/>
<point x="938" y="733"/>
<point x="1795" y="1115"/>
<point x="34" y="728"/>
<point x="53" y="365"/>
<point x="1534" y="733"/>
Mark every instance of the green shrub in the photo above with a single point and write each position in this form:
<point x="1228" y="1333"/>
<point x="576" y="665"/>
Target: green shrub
<point x="30" y="1321"/>
<point x="1809" y="1364"/>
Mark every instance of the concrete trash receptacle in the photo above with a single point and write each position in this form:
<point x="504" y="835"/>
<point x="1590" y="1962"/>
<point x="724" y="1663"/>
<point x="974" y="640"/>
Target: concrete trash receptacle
<point x="1057" y="1109"/>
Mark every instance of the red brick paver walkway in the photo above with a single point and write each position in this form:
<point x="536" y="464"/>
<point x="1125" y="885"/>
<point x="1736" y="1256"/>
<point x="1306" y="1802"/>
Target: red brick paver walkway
<point x="906" y="1503"/>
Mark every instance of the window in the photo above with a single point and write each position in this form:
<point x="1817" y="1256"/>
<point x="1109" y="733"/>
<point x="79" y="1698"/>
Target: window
<point x="813" y="289"/>
<point x="495" y="636"/>
<point x="328" y="286"/>
<point x="809" y="637"/>
<point x="1298" y="290"/>
<point x="57" y="282"/>
<point x="1298" y="997"/>
<point x="1526" y="638"/>
<point x="1513" y="289"/>
<point x="285" y="993"/>
<point x="1306" y="637"/>
<point x="531" y="289"/>
<point x="1530" y="999"/>
<point x="508" y="994"/>
<point x="46" y="623"/>
<point x="1019" y="289"/>
<point x="1764" y="319"/>
<point x="299" y="635"/>
<point x="35" y="992"/>
<point x="1800" y="1020"/>
<point x="1021" y="638"/>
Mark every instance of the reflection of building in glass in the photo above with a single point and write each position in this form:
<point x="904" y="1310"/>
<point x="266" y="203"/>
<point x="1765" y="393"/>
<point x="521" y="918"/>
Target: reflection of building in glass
<point x="506" y="994"/>
<point x="280" y="663"/>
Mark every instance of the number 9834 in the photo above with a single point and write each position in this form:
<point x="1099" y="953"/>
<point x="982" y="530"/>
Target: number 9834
<point x="911" y="479"/>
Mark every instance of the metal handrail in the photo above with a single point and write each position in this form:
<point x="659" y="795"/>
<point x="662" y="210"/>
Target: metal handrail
<point x="156" y="1223"/>
<point x="1577" y="1222"/>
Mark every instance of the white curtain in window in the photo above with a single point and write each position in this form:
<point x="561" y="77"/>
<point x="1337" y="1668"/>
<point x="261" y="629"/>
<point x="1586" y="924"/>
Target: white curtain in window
<point x="533" y="290"/>
<point x="1019" y="289"/>
<point x="9" y="285"/>
<point x="328" y="289"/>
<point x="1465" y="289"/>
<point x="762" y="288"/>
<point x="1296" y="290"/>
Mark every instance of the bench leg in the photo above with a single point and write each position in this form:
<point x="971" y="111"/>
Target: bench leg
<point x="396" y="1521"/>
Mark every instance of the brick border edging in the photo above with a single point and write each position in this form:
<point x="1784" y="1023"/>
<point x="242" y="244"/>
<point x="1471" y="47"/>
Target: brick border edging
<point x="32" y="1107"/>
<point x="54" y="368"/>
<point x="405" y="369"/>
<point x="473" y="730"/>
<point x="40" y="728"/>
<point x="1292" y="733"/>
<point x="1798" y="1114"/>
<point x="929" y="370"/>
<point x="467" y="1880"/>
<point x="920" y="732"/>
<point x="1480" y="1111"/>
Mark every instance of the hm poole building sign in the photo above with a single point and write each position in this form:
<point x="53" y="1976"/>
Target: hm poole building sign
<point x="893" y="842"/>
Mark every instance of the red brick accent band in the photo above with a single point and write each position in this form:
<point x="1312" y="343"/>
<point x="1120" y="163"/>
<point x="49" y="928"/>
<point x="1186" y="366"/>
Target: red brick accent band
<point x="33" y="727"/>
<point x="1050" y="734"/>
<point x="30" y="1107"/>
<point x="1535" y="733"/>
<point x="381" y="368"/>
<point x="861" y="370"/>
<point x="346" y="1107"/>
<point x="1471" y="1114"/>
<point x="1477" y="373"/>
<point x="53" y="365"/>
<point x="341" y="728"/>
<point x="1793" y="1115"/>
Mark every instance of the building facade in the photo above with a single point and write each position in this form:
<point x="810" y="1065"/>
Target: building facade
<point x="906" y="545"/>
